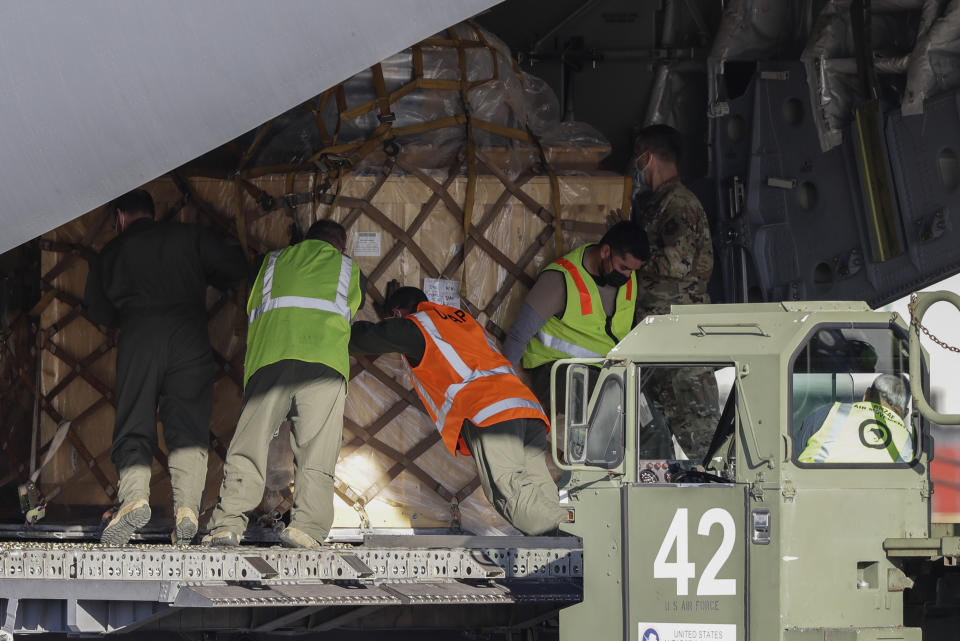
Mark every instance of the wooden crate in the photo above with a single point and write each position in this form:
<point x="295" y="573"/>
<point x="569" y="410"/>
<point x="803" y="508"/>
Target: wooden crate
<point x="393" y="470"/>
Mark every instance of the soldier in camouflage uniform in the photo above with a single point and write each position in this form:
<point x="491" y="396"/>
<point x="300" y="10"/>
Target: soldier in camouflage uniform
<point x="681" y="261"/>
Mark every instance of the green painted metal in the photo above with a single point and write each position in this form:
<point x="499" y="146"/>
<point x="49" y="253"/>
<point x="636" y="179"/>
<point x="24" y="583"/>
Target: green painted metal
<point x="923" y="302"/>
<point x="690" y="560"/>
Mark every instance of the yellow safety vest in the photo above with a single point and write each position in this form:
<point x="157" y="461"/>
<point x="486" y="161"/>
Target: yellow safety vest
<point x="300" y="307"/>
<point x="862" y="432"/>
<point x="581" y="332"/>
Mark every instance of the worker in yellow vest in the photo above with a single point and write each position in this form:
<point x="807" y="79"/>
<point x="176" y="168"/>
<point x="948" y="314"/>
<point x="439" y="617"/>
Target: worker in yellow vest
<point x="296" y="367"/>
<point x="871" y="431"/>
<point x="581" y="305"/>
<point x="476" y="401"/>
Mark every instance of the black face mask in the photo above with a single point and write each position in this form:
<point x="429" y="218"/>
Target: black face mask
<point x="613" y="279"/>
<point x="616" y="279"/>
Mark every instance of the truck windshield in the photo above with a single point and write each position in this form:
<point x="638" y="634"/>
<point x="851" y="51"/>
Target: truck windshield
<point x="679" y="409"/>
<point x="851" y="400"/>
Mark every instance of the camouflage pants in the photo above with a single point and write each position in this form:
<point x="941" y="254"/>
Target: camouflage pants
<point x="689" y="400"/>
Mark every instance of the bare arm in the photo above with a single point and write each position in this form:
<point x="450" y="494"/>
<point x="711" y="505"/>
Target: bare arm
<point x="546" y="298"/>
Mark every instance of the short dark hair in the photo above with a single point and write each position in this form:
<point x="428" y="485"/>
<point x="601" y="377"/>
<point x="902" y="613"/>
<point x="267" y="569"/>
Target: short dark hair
<point x="628" y="237"/>
<point x="404" y="298"/>
<point x="662" y="141"/>
<point x="328" y="230"/>
<point x="138" y="201"/>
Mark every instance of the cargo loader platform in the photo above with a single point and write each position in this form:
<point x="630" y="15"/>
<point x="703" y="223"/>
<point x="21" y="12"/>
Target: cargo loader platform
<point x="389" y="582"/>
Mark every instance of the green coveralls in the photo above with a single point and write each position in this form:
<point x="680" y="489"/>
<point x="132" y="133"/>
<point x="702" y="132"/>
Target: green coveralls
<point x="151" y="282"/>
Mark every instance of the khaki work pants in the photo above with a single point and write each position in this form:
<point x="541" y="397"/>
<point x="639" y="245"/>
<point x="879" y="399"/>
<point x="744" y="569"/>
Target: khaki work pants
<point x="311" y="395"/>
<point x="511" y="461"/>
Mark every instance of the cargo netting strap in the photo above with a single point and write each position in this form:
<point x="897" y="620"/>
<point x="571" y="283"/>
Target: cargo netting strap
<point x="320" y="186"/>
<point x="349" y="210"/>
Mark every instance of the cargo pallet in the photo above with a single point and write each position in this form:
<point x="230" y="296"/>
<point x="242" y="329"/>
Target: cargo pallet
<point x="388" y="582"/>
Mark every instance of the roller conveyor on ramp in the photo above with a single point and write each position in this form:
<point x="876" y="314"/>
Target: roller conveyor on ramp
<point x="388" y="582"/>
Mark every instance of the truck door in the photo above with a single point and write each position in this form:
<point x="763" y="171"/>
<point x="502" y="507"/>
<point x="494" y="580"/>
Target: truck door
<point x="685" y="561"/>
<point x="857" y="478"/>
<point x="684" y="531"/>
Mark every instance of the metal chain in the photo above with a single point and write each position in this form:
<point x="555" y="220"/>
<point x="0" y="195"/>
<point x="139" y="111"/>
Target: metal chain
<point x="914" y="321"/>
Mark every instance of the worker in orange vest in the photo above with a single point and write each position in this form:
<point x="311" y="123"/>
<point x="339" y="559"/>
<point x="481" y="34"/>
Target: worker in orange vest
<point x="476" y="401"/>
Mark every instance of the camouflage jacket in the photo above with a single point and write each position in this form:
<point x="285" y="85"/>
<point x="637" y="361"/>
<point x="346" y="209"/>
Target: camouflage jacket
<point x="681" y="251"/>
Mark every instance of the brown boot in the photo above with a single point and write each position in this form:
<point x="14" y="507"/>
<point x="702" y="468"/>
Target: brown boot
<point x="221" y="539"/>
<point x="186" y="526"/>
<point x="129" y="518"/>
<point x="292" y="537"/>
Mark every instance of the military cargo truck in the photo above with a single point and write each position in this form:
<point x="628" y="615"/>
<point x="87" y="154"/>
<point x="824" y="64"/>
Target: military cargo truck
<point x="745" y="538"/>
<point x="751" y="538"/>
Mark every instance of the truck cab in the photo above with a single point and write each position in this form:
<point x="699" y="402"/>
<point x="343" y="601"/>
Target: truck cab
<point x="755" y="532"/>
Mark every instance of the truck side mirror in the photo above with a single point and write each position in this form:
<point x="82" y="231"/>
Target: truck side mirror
<point x="919" y="305"/>
<point x="577" y="417"/>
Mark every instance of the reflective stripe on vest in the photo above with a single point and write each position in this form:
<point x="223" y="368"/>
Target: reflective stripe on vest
<point x="338" y="306"/>
<point x="502" y="406"/>
<point x="861" y="432"/>
<point x="431" y="406"/>
<point x="492" y="343"/>
<point x="566" y="347"/>
<point x="586" y="303"/>
<point x="584" y="329"/>
<point x="467" y="375"/>
<point x="445" y="348"/>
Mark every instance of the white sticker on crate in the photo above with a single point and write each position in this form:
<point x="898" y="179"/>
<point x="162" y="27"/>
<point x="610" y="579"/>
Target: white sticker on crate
<point x="442" y="291"/>
<point x="647" y="631"/>
<point x="366" y="243"/>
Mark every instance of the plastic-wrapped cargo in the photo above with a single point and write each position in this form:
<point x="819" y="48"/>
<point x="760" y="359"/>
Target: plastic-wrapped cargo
<point x="759" y="30"/>
<point x="419" y="99"/>
<point x="909" y="39"/>
<point x="915" y="44"/>
<point x="934" y="64"/>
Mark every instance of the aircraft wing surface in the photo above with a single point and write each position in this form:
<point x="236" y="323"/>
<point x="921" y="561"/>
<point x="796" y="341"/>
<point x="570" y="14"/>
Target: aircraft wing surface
<point x="100" y="97"/>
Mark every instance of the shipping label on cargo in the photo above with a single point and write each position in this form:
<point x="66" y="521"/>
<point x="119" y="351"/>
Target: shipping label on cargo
<point x="442" y="291"/>
<point x="686" y="631"/>
<point x="366" y="243"/>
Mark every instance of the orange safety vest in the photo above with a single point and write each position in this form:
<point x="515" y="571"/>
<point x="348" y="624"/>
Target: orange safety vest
<point x="463" y="376"/>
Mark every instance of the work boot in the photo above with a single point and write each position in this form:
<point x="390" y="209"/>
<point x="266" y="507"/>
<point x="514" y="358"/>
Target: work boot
<point x="224" y="539"/>
<point x="292" y="537"/>
<point x="186" y="526"/>
<point x="128" y="519"/>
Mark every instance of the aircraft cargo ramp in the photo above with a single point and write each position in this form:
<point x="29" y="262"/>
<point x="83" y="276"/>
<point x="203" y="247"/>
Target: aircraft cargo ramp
<point x="389" y="582"/>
